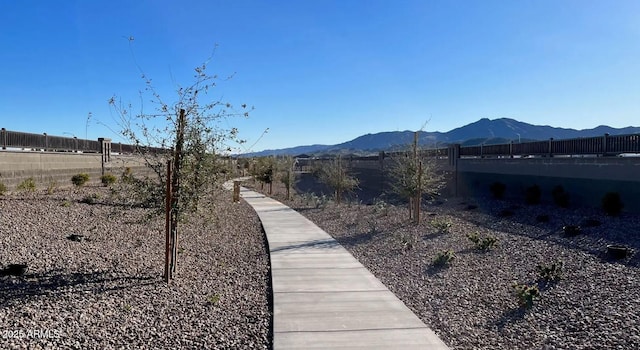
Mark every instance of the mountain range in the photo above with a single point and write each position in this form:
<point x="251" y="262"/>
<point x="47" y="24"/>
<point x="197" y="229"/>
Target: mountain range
<point x="483" y="131"/>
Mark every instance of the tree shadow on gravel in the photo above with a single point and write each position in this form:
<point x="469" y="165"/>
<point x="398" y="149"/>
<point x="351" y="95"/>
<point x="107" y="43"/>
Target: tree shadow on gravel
<point x="510" y="316"/>
<point x="15" y="288"/>
<point x="317" y="244"/>
<point x="359" y="238"/>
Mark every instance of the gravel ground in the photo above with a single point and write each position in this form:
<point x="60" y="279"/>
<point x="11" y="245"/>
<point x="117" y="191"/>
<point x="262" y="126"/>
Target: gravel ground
<point x="471" y="303"/>
<point x="107" y="291"/>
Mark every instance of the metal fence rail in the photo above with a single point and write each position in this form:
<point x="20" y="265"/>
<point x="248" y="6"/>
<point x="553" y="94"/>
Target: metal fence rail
<point x="44" y="142"/>
<point x="606" y="145"/>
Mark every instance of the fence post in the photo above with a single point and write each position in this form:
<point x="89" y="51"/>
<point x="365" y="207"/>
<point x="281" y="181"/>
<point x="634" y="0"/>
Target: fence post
<point x="604" y="144"/>
<point x="511" y="149"/>
<point x="550" y="147"/>
<point x="46" y="142"/>
<point x="4" y="138"/>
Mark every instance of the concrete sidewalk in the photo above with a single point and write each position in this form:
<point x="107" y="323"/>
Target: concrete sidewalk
<point x="323" y="298"/>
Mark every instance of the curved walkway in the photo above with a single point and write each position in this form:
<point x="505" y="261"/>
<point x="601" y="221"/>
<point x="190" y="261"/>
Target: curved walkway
<point x="323" y="298"/>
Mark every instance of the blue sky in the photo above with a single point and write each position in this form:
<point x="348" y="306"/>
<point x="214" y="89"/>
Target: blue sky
<point x="324" y="71"/>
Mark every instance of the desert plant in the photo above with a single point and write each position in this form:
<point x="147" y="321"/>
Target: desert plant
<point x="532" y="195"/>
<point x="498" y="189"/>
<point x="413" y="174"/>
<point x="560" y="197"/>
<point x="482" y="243"/>
<point x="28" y="185"/>
<point x="3" y="189"/>
<point x="550" y="273"/>
<point x="444" y="258"/>
<point x="286" y="174"/>
<point x="108" y="179"/>
<point x="335" y="175"/>
<point x="380" y="206"/>
<point x="441" y="225"/>
<point x="66" y="203"/>
<point x="213" y="299"/>
<point x="51" y="187"/>
<point x="90" y="199"/>
<point x="526" y="294"/>
<point x="612" y="204"/>
<point x="407" y="241"/>
<point x="80" y="179"/>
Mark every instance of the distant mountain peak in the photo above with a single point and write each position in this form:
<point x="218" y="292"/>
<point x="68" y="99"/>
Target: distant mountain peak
<point x="483" y="131"/>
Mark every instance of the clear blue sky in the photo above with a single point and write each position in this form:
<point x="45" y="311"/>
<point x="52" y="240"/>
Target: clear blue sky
<point x="325" y="71"/>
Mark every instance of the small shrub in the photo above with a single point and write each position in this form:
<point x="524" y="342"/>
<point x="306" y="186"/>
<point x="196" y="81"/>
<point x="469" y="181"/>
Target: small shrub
<point x="28" y="185"/>
<point x="441" y="225"/>
<point x="108" y="179"/>
<point x="612" y="204"/>
<point x="381" y="206"/>
<point x="444" y="258"/>
<point x="532" y="195"/>
<point x="482" y="243"/>
<point x="66" y="204"/>
<point x="571" y="230"/>
<point x="526" y="294"/>
<point x="560" y="197"/>
<point x="90" y="199"/>
<point x="213" y="299"/>
<point x="3" y="189"/>
<point x="550" y="273"/>
<point x="80" y="179"/>
<point x="407" y="241"/>
<point x="498" y="189"/>
<point x="53" y="185"/>
<point x="127" y="176"/>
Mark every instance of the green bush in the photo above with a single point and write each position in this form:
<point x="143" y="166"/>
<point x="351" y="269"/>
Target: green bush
<point x="532" y="195"/>
<point x="526" y="294"/>
<point x="612" y="204"/>
<point x="108" y="179"/>
<point x="444" y="258"/>
<point x="441" y="225"/>
<point x="560" y="197"/>
<point x="550" y="273"/>
<point x="80" y="179"/>
<point x="3" y="189"/>
<point x="482" y="243"/>
<point x="497" y="190"/>
<point x="28" y="185"/>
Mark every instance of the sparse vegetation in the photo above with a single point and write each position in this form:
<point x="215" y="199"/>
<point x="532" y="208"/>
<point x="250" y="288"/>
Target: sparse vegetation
<point x="498" y="189"/>
<point x="334" y="174"/>
<point x="612" y="204"/>
<point x="52" y="186"/>
<point x="444" y="258"/>
<point x="413" y="174"/>
<point x="90" y="199"/>
<point x="441" y="225"/>
<point x="482" y="242"/>
<point x="27" y="185"/>
<point x="213" y="299"/>
<point x="3" y="189"/>
<point x="526" y="294"/>
<point x="108" y="179"/>
<point x="80" y="179"/>
<point x="550" y="273"/>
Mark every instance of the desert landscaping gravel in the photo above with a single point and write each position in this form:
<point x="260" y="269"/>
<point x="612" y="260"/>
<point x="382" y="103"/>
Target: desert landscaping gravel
<point x="105" y="290"/>
<point x="471" y="303"/>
